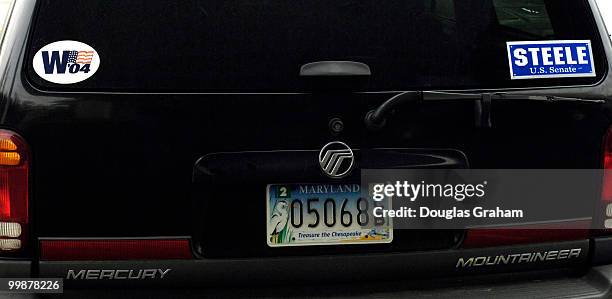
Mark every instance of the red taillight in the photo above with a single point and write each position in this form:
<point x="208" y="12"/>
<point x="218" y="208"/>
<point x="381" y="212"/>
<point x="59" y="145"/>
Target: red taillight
<point x="606" y="188"/>
<point x="527" y="234"/>
<point x="606" y="194"/>
<point x="132" y="249"/>
<point x="14" y="170"/>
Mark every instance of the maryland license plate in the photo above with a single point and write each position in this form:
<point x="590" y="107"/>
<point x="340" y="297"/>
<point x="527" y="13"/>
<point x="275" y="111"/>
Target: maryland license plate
<point x="323" y="214"/>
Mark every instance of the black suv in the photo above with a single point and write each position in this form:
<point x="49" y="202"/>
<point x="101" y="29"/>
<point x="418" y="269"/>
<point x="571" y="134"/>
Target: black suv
<point x="167" y="143"/>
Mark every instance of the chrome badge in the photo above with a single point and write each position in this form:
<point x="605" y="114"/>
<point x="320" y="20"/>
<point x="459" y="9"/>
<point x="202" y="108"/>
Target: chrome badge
<point x="336" y="159"/>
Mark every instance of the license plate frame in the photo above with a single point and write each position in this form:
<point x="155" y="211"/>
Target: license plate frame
<point x="295" y="222"/>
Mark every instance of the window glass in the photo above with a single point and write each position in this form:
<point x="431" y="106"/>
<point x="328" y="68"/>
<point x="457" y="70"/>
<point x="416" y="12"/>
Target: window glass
<point x="260" y="45"/>
<point x="528" y="16"/>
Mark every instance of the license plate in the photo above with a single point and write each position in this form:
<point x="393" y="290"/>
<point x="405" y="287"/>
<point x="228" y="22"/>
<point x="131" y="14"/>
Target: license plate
<point x="323" y="214"/>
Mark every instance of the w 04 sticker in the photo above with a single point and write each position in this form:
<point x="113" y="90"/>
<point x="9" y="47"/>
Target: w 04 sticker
<point x="66" y="62"/>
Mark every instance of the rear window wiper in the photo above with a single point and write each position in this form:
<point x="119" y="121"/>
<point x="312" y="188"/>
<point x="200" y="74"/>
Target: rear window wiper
<point x="377" y="118"/>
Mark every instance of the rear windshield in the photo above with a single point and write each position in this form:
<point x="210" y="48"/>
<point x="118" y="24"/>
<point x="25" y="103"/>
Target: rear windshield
<point x="260" y="45"/>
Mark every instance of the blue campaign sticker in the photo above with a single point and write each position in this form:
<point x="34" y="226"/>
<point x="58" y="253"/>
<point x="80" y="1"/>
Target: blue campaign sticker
<point x="551" y="59"/>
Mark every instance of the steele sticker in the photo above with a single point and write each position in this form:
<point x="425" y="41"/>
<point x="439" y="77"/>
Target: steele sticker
<point x="550" y="59"/>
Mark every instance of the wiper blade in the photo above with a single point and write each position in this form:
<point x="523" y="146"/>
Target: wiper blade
<point x="377" y="118"/>
<point x="441" y="96"/>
